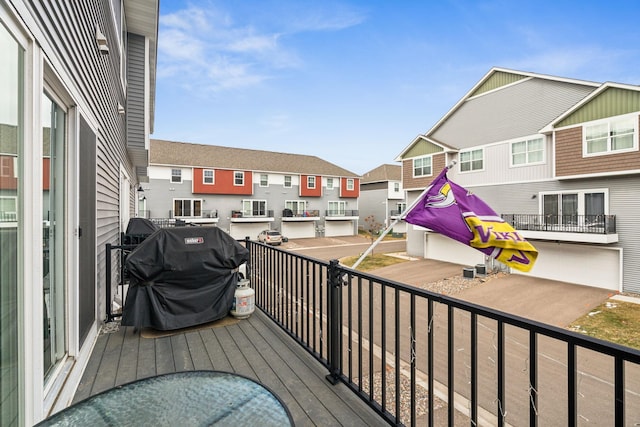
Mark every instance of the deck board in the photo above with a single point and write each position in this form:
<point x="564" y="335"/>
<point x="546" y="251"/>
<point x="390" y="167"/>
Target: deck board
<point x="253" y="347"/>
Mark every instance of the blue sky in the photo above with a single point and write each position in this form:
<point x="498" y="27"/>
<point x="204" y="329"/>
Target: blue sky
<point x="354" y="82"/>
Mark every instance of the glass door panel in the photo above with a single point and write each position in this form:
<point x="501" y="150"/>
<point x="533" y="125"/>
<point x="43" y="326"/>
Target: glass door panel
<point x="53" y="202"/>
<point x="11" y="130"/>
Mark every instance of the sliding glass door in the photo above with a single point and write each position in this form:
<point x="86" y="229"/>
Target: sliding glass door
<point x="53" y="220"/>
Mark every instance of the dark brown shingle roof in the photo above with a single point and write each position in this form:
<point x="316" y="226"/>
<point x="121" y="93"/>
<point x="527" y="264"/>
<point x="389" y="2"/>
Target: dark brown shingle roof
<point x="383" y="173"/>
<point x="214" y="156"/>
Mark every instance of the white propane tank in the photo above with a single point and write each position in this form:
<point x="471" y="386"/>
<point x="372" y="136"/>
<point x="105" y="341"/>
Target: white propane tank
<point x="243" y="300"/>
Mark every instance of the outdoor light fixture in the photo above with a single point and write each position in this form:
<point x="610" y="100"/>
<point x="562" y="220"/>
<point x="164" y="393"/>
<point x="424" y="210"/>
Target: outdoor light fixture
<point x="140" y="189"/>
<point x="120" y="109"/>
<point x="102" y="41"/>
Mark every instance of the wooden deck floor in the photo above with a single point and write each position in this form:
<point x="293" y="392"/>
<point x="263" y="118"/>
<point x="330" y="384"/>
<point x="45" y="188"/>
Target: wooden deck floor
<point x="253" y="347"/>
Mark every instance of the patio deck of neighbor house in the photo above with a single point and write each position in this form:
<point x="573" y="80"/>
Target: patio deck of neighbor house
<point x="253" y="347"/>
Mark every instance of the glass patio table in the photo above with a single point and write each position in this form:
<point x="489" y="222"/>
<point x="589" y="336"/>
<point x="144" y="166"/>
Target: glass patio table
<point x="194" y="398"/>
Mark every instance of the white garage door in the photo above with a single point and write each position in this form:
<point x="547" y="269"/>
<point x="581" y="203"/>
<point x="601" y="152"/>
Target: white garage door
<point x="338" y="228"/>
<point x="298" y="230"/>
<point x="596" y="266"/>
<point x="240" y="230"/>
<point x="587" y="265"/>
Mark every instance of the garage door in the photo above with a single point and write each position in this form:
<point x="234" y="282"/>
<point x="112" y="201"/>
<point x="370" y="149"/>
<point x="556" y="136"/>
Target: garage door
<point x="581" y="264"/>
<point x="299" y="230"/>
<point x="240" y="230"/>
<point x="338" y="228"/>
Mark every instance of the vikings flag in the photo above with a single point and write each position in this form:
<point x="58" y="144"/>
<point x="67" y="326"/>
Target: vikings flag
<point x="456" y="213"/>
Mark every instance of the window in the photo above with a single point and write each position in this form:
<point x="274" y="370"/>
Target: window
<point x="311" y="182"/>
<point x="396" y="187"/>
<point x="187" y="208"/>
<point x="329" y="183"/>
<point x="8" y="209"/>
<point x="176" y="175"/>
<point x="337" y="208"/>
<point x="350" y="184"/>
<point x="422" y="166"/>
<point x="254" y="208"/>
<point x="207" y="176"/>
<point x="238" y="178"/>
<point x="611" y="136"/>
<point x="297" y="207"/>
<point x="471" y="160"/>
<point x="264" y="180"/>
<point x="401" y="206"/>
<point x="527" y="152"/>
<point x="287" y="181"/>
<point x="6" y="167"/>
<point x="573" y="208"/>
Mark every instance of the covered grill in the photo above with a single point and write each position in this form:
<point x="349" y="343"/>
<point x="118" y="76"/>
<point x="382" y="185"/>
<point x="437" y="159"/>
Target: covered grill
<point x="181" y="277"/>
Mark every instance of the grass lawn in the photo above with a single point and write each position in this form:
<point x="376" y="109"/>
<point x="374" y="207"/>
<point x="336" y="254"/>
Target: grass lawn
<point x="371" y="262"/>
<point x="613" y="321"/>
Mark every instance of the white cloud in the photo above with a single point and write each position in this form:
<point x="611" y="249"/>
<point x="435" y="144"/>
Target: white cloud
<point x="202" y="46"/>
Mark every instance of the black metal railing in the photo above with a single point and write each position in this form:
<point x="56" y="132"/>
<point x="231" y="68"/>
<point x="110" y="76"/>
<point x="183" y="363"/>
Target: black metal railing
<point x="348" y="212"/>
<point x="592" y="224"/>
<point x="407" y="351"/>
<point x="289" y="213"/>
<point x="240" y="214"/>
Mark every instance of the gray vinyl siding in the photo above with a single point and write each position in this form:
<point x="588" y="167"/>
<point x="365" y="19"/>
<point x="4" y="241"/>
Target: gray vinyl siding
<point x="71" y="29"/>
<point x="372" y="202"/>
<point x="136" y="72"/>
<point x="624" y="202"/>
<point x="519" y="109"/>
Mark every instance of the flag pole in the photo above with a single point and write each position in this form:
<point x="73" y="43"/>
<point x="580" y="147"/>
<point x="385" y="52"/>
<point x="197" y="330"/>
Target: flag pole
<point x="395" y="221"/>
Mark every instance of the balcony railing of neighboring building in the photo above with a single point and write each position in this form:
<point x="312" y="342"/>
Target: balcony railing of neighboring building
<point x="339" y="213"/>
<point x="289" y="213"/>
<point x="378" y="337"/>
<point x="588" y="224"/>
<point x="241" y="214"/>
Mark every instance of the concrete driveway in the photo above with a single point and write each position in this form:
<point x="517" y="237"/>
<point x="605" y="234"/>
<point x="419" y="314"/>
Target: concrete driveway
<point x="547" y="301"/>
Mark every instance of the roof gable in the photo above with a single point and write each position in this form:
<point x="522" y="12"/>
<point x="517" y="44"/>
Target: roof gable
<point x="495" y="80"/>
<point x="611" y="100"/>
<point x="383" y="173"/>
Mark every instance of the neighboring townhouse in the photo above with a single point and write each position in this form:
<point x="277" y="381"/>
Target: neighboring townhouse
<point x="382" y="197"/>
<point x="246" y="191"/>
<point x="77" y="83"/>
<point x="556" y="157"/>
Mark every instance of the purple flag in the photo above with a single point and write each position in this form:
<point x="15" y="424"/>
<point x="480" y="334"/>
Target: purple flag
<point x="455" y="212"/>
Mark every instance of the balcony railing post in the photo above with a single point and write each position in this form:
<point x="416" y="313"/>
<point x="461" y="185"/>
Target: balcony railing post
<point x="108" y="280"/>
<point x="333" y="329"/>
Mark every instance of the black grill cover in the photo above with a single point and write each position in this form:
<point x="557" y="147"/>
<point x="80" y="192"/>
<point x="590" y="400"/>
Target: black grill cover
<point x="138" y="229"/>
<point x="181" y="277"/>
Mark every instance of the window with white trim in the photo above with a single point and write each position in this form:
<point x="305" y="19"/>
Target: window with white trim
<point x="207" y="176"/>
<point x="582" y="207"/>
<point x="254" y="208"/>
<point x="337" y="208"/>
<point x="329" y="183"/>
<point x="472" y="160"/>
<point x="422" y="166"/>
<point x="396" y="187"/>
<point x="527" y="151"/>
<point x="176" y="175"/>
<point x="297" y="207"/>
<point x="287" y="181"/>
<point x="8" y="209"/>
<point x="311" y="182"/>
<point x="264" y="180"/>
<point x="614" y="135"/>
<point x="6" y="166"/>
<point x="238" y="178"/>
<point x="185" y="208"/>
<point x="350" y="184"/>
